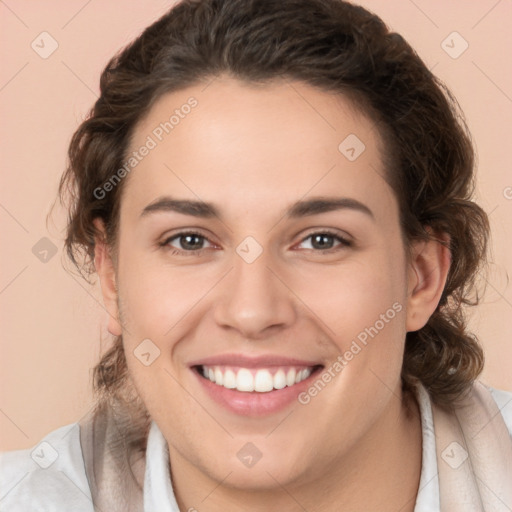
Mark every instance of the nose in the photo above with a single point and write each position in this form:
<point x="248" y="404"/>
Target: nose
<point x="253" y="299"/>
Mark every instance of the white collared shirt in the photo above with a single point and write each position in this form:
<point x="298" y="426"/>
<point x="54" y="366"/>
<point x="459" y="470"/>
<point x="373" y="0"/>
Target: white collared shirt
<point x="51" y="476"/>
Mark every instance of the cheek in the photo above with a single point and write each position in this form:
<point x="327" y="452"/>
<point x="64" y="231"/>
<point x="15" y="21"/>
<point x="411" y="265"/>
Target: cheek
<point x="350" y="298"/>
<point x="156" y="297"/>
<point x="362" y="312"/>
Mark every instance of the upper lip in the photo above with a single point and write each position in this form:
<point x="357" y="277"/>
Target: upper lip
<point x="246" y="361"/>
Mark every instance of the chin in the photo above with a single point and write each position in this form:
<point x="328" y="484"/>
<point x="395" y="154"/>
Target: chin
<point x="274" y="472"/>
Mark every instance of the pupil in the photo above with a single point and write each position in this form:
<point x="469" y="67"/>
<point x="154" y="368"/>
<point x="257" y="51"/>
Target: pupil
<point x="195" y="244"/>
<point x="322" y="241"/>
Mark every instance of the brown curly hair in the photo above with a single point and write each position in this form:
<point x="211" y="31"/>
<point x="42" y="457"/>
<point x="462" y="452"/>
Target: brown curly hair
<point x="334" y="46"/>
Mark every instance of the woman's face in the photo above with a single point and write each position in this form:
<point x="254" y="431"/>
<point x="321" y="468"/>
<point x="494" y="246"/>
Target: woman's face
<point x="259" y="246"/>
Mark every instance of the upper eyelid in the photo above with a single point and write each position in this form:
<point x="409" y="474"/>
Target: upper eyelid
<point x="327" y="231"/>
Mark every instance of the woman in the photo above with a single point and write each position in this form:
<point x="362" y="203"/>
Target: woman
<point x="276" y="197"/>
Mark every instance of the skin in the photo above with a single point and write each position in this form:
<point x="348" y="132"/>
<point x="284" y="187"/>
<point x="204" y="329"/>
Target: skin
<point x="253" y="151"/>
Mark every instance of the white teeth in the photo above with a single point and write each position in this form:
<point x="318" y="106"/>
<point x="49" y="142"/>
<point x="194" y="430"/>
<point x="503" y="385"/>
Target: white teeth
<point x="263" y="381"/>
<point x="218" y="376"/>
<point x="260" y="381"/>
<point x="229" y="379"/>
<point x="290" y="377"/>
<point x="244" y="380"/>
<point x="279" y="380"/>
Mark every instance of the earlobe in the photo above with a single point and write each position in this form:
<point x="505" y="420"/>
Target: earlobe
<point x="106" y="272"/>
<point x="427" y="274"/>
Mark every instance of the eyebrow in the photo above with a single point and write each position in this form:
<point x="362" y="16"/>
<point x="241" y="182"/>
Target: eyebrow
<point x="302" y="208"/>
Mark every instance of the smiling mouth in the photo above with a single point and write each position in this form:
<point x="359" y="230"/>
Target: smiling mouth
<point x="260" y="380"/>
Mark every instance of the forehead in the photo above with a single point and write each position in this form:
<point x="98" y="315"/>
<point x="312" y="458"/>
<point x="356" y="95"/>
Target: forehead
<point x="252" y="148"/>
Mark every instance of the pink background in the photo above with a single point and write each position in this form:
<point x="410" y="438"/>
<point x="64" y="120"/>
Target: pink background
<point x="53" y="323"/>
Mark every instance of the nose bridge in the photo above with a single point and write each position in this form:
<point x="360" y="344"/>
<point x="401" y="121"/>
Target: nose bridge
<point x="253" y="298"/>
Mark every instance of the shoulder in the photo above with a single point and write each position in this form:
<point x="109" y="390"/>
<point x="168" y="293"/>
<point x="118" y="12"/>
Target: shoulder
<point x="50" y="476"/>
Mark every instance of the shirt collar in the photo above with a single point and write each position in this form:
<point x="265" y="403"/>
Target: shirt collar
<point x="428" y="491"/>
<point x="158" y="493"/>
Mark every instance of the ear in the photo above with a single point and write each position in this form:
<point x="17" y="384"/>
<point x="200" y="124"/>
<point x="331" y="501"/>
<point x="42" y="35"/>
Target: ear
<point x="427" y="274"/>
<point x="106" y="272"/>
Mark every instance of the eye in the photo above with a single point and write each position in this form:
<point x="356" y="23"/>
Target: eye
<point x="186" y="242"/>
<point x="325" y="241"/>
<point x="192" y="242"/>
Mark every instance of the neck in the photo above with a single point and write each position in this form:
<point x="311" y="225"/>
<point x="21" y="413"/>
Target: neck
<point x="381" y="473"/>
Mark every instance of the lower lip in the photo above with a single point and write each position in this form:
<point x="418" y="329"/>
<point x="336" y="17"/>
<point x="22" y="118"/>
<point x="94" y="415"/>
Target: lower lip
<point x="254" y="403"/>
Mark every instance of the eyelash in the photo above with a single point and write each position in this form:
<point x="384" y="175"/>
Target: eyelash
<point x="344" y="243"/>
